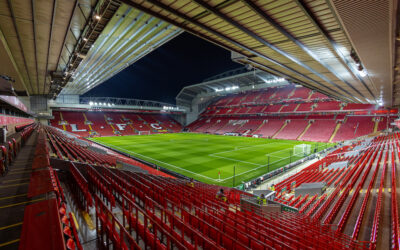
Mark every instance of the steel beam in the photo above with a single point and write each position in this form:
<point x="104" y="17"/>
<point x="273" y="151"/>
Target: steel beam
<point x="49" y="45"/>
<point x="295" y="80"/>
<point x="121" y="57"/>
<point x="19" y="43"/>
<point x="333" y="44"/>
<point x="277" y="26"/>
<point x="67" y="31"/>
<point x="99" y="63"/>
<point x="202" y="26"/>
<point x="265" y="43"/>
<point x="34" y="40"/>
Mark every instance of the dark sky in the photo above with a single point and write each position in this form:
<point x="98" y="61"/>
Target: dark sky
<point x="160" y="75"/>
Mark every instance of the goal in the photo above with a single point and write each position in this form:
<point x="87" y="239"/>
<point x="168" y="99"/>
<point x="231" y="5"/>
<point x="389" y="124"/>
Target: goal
<point x="302" y="150"/>
<point x="144" y="132"/>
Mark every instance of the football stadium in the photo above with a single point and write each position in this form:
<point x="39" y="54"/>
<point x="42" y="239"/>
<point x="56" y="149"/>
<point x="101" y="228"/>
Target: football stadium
<point x="194" y="124"/>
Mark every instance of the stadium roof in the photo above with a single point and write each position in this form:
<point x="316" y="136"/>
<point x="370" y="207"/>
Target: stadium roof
<point x="344" y="48"/>
<point x="77" y="44"/>
<point x="228" y="82"/>
<point x="107" y="103"/>
<point x="347" y="49"/>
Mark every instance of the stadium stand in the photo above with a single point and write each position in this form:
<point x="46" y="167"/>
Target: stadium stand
<point x="349" y="204"/>
<point x="96" y="123"/>
<point x="161" y="212"/>
<point x="292" y="130"/>
<point x="319" y="130"/>
<point x="291" y="112"/>
<point x="324" y="74"/>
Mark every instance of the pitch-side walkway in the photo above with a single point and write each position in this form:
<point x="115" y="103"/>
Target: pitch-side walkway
<point x="279" y="178"/>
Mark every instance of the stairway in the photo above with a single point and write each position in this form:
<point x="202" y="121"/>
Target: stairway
<point x="309" y="96"/>
<point x="144" y="124"/>
<point x="295" y="109"/>
<point x="226" y="124"/>
<point x="259" y="127"/>
<point x="13" y="195"/>
<point x="265" y="107"/>
<point x="313" y="106"/>
<point x="277" y="132"/>
<point x="281" y="108"/>
<point x="237" y="130"/>
<point x="335" y="131"/>
<point x="130" y="125"/>
<point x="377" y="121"/>
<point x="258" y="97"/>
<point x="304" y="131"/>
<point x="113" y="129"/>
<point x="291" y="93"/>
<point x="90" y="126"/>
<point x="62" y="119"/>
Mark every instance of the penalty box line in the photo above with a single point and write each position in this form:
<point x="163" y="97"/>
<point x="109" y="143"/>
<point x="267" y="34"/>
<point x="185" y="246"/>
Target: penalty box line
<point x="144" y="156"/>
<point x="261" y="166"/>
<point x="246" y="147"/>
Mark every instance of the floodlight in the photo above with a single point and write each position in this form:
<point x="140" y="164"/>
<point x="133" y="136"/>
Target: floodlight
<point x="90" y="103"/>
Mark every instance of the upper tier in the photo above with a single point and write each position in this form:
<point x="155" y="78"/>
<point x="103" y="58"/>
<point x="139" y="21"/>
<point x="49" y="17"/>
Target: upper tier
<point x="283" y="99"/>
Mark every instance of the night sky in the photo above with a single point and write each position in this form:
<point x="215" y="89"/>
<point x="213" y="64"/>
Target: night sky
<point x="160" y="75"/>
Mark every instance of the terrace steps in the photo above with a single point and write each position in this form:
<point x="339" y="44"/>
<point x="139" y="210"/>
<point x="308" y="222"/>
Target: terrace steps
<point x="130" y="125"/>
<point x="62" y="119"/>
<point x="105" y="118"/>
<point x="265" y="107"/>
<point x="86" y="119"/>
<point x="144" y="124"/>
<point x="295" y="109"/>
<point x="335" y="131"/>
<point x="304" y="131"/>
<point x="377" y="121"/>
<point x="221" y="128"/>
<point x="291" y="93"/>
<point x="259" y="127"/>
<point x="277" y="132"/>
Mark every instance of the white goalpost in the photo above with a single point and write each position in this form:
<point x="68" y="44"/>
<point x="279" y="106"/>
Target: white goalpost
<point x="302" y="150"/>
<point x="144" y="132"/>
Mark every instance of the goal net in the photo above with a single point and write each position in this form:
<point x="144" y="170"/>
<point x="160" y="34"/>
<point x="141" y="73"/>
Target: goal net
<point x="144" y="132"/>
<point x="302" y="150"/>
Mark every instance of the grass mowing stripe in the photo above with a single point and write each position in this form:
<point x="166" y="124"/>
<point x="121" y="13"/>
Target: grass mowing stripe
<point x="161" y="162"/>
<point x="203" y="156"/>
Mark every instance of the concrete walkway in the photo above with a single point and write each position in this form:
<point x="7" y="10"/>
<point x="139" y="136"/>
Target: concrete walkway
<point x="13" y="195"/>
<point x="267" y="184"/>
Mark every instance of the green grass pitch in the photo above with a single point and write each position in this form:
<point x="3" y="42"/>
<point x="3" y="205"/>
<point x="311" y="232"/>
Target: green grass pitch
<point x="203" y="156"/>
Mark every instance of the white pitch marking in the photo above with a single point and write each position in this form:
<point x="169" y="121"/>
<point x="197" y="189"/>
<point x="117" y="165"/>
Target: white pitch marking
<point x="217" y="180"/>
<point x="231" y="159"/>
<point x="144" y="156"/>
<point x="245" y="147"/>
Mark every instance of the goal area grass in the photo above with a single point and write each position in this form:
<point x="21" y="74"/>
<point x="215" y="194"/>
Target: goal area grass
<point x="213" y="159"/>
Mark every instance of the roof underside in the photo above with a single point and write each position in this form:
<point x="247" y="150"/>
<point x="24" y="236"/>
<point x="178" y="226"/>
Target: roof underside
<point x="130" y="35"/>
<point x="39" y="38"/>
<point x="255" y="79"/>
<point x="316" y="43"/>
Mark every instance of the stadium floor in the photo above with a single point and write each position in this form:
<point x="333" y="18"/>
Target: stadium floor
<point x="203" y="157"/>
